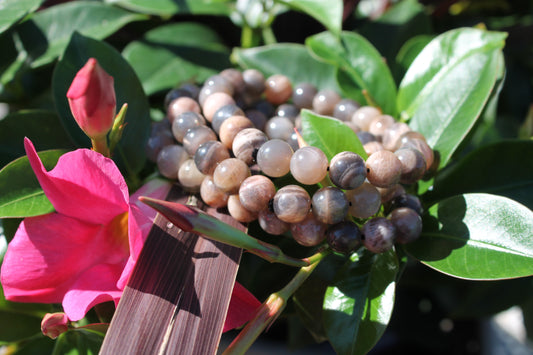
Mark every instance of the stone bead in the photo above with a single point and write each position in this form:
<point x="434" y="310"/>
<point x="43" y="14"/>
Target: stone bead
<point x="246" y="144"/>
<point x="189" y="176"/>
<point x="229" y="174"/>
<point x="293" y="141"/>
<point x="407" y="200"/>
<point x="364" y="201"/>
<point x="309" y="232"/>
<point x="383" y="169"/>
<point x="309" y="165"/>
<point x="325" y="101"/>
<point x="365" y="137"/>
<point x="344" y="237"/>
<point x="237" y="210"/>
<point x="393" y="134"/>
<point x="345" y="109"/>
<point x="232" y="126"/>
<point x="408" y="224"/>
<point x="184" y="121"/>
<point x="211" y="194"/>
<point x="389" y="193"/>
<point x="234" y="76"/>
<point x="291" y="203"/>
<point x="174" y="94"/>
<point x="278" y="89"/>
<point x="378" y="235"/>
<point x="347" y="170"/>
<point x="271" y="224"/>
<point x="209" y="155"/>
<point x="413" y="165"/>
<point x="372" y="147"/>
<point x="196" y="136"/>
<point x="170" y="159"/>
<point x="289" y="111"/>
<point x="215" y="102"/>
<point x="256" y="192"/>
<point x="380" y="124"/>
<point x="192" y="89"/>
<point x="364" y="115"/>
<point x="303" y="95"/>
<point x="279" y="128"/>
<point x="254" y="81"/>
<point x="223" y="113"/>
<point x="215" y="83"/>
<point x="423" y="147"/>
<point x="181" y="105"/>
<point x="329" y="204"/>
<point x="156" y="142"/>
<point x="274" y="158"/>
<point x="257" y="117"/>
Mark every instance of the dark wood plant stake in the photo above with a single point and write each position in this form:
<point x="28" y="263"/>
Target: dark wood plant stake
<point x="178" y="295"/>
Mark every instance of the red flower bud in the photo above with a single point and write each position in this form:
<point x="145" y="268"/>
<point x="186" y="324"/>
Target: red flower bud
<point x="91" y="97"/>
<point x="54" y="324"/>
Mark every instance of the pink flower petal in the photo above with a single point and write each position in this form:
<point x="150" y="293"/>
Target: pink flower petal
<point x="94" y="286"/>
<point x="242" y="307"/>
<point x="50" y="254"/>
<point x="84" y="185"/>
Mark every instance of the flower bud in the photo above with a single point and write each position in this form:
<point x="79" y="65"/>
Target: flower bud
<point x="91" y="97"/>
<point x="54" y="324"/>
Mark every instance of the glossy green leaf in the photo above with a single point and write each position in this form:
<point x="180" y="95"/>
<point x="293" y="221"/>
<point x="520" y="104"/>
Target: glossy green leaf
<point x="20" y="192"/>
<point x="45" y="37"/>
<point x="292" y="60"/>
<point x="176" y="53"/>
<point x="42" y="127"/>
<point x="330" y="135"/>
<point x="171" y="7"/>
<point x="362" y="65"/>
<point x="14" y="10"/>
<point x="328" y="13"/>
<point x="448" y="84"/>
<point x="408" y="52"/>
<point x="130" y="152"/>
<point x="78" y="341"/>
<point x="478" y="237"/>
<point x="357" y="308"/>
<point x="502" y="168"/>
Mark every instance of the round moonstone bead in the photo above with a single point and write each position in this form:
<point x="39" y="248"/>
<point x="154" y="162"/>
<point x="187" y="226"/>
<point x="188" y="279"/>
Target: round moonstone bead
<point x="291" y="203"/>
<point x="229" y="174"/>
<point x="364" y="201"/>
<point x="309" y="165"/>
<point x="330" y="205"/>
<point x="309" y="232"/>
<point x="274" y="157"/>
<point x="347" y="170"/>
<point x="208" y="155"/>
<point x="256" y="192"/>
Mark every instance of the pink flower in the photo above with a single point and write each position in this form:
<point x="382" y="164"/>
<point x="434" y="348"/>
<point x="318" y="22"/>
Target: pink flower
<point x="54" y="324"/>
<point x="91" y="97"/>
<point x="84" y="253"/>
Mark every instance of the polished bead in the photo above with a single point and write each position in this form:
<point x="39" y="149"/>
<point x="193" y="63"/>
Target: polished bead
<point x="256" y="192"/>
<point x="230" y="128"/>
<point x="196" y="136"/>
<point x="389" y="193"/>
<point x="211" y="194"/>
<point x="383" y="169"/>
<point x="372" y="147"/>
<point x="229" y="174"/>
<point x="237" y="210"/>
<point x="380" y="124"/>
<point x="413" y="165"/>
<point x="215" y="102"/>
<point x="289" y="111"/>
<point x="408" y="224"/>
<point x="257" y="117"/>
<point x="291" y="203"/>
<point x="278" y="89"/>
<point x="344" y="237"/>
<point x="421" y="146"/>
<point x="279" y="128"/>
<point x="392" y="135"/>
<point x="184" y="121"/>
<point x="181" y="105"/>
<point x="271" y="224"/>
<point x="254" y="81"/>
<point x="246" y="144"/>
<point x="309" y="232"/>
<point x="223" y="113"/>
<point x="347" y="170"/>
<point x="209" y="155"/>
<point x="274" y="157"/>
<point x="364" y="201"/>
<point x="364" y="115"/>
<point x="214" y="84"/>
<point x="378" y="235"/>
<point x="325" y="101"/>
<point x="309" y="165"/>
<point x="174" y="94"/>
<point x="345" y="109"/>
<point x="189" y="176"/>
<point x="170" y="159"/>
<point x="234" y="76"/>
<point x="156" y="142"/>
<point x="329" y="204"/>
<point x="303" y="95"/>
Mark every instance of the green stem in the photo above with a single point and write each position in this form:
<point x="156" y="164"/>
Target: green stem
<point x="272" y="308"/>
<point x="100" y="145"/>
<point x="250" y="37"/>
<point x="268" y="35"/>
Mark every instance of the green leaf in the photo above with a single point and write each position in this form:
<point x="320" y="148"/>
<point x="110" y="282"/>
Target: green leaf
<point x="130" y="152"/>
<point x="478" y="237"/>
<point x="500" y="168"/>
<point x="332" y="136"/>
<point x="168" y="8"/>
<point x="448" y="84"/>
<point x="48" y="32"/>
<point x="357" y="308"/>
<point x="20" y="192"/>
<point x="176" y="53"/>
<point x="42" y="127"/>
<point x="78" y="342"/>
<point x="408" y="52"/>
<point x="292" y="60"/>
<point x="328" y="13"/>
<point x="14" y="10"/>
<point x="17" y="326"/>
<point x="362" y="65"/>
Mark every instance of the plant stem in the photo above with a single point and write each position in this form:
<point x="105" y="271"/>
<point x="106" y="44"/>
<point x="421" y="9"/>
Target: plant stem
<point x="268" y="35"/>
<point x="100" y="145"/>
<point x="272" y="307"/>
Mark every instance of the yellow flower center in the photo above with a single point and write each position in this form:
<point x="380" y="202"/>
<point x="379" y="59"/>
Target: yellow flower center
<point x="118" y="230"/>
